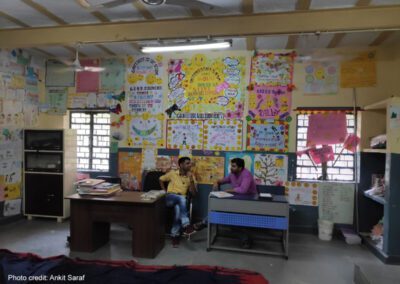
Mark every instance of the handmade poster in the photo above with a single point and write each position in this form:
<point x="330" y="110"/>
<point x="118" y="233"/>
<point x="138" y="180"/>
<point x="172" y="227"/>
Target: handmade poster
<point x="321" y="77"/>
<point x="336" y="202"/>
<point x="88" y="81"/>
<point x="149" y="158"/>
<point x="268" y="135"/>
<point x="58" y="74"/>
<point x="12" y="191"/>
<point x="184" y="134"/>
<point x="272" y="69"/>
<point x="224" y="135"/>
<point x="11" y="108"/>
<point x="207" y="169"/>
<point x="359" y="72"/>
<point x="12" y="207"/>
<point x="129" y="169"/>
<point x="145" y="92"/>
<point x="270" y="169"/>
<point x="17" y="82"/>
<point x="302" y="193"/>
<point x="247" y="157"/>
<point x="88" y="100"/>
<point x="323" y="154"/>
<point x="351" y="142"/>
<point x="113" y="76"/>
<point x="326" y="128"/>
<point x="31" y="78"/>
<point x="77" y="101"/>
<point x="145" y="130"/>
<point x="56" y="98"/>
<point x="203" y="87"/>
<point x="163" y="163"/>
<point x="394" y="117"/>
<point x="270" y="102"/>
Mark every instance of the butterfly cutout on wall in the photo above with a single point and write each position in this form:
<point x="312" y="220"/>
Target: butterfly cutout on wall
<point x="116" y="109"/>
<point x="118" y="123"/>
<point x="120" y="97"/>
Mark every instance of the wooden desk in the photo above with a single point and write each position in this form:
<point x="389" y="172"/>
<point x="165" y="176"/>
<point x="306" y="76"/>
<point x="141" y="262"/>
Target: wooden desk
<point x="91" y="218"/>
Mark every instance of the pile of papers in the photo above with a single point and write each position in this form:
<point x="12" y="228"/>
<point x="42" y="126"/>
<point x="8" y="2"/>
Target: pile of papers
<point x="351" y="237"/>
<point x="98" y="187"/>
<point x="221" y="194"/>
<point x="152" y="194"/>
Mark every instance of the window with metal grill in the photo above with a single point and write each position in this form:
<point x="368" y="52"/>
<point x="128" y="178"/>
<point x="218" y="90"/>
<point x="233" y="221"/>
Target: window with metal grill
<point x="343" y="170"/>
<point x="93" y="139"/>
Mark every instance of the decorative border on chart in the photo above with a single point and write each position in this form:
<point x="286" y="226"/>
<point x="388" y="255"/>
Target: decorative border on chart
<point x="265" y="122"/>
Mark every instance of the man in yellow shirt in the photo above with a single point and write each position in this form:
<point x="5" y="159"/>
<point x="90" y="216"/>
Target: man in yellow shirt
<point x="179" y="183"/>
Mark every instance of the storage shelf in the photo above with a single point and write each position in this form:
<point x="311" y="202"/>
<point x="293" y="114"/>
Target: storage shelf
<point x="369" y="150"/>
<point x="378" y="199"/>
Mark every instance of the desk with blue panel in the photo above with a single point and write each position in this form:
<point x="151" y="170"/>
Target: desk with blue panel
<point x="249" y="211"/>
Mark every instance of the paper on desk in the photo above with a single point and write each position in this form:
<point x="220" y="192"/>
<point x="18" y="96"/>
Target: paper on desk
<point x="221" y="194"/>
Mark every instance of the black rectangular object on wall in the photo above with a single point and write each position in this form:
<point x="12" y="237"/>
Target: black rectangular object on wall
<point x="44" y="194"/>
<point x="51" y="140"/>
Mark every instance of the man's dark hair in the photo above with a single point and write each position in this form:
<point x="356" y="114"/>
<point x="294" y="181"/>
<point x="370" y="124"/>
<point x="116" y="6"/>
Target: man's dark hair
<point x="238" y="161"/>
<point x="182" y="160"/>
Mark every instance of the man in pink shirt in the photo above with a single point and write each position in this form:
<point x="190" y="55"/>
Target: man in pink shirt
<point x="240" y="179"/>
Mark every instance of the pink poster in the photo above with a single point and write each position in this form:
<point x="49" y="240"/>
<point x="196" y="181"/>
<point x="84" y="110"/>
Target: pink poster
<point x="269" y="102"/>
<point x="351" y="142"/>
<point x="88" y="81"/>
<point x="326" y="128"/>
<point x="322" y="155"/>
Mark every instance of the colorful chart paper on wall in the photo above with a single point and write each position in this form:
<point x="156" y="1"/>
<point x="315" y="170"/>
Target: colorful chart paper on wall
<point x="145" y="130"/>
<point x="321" y="77"/>
<point x="149" y="156"/>
<point x="394" y="117"/>
<point x="359" y="72"/>
<point x="302" y="193"/>
<point x="270" y="169"/>
<point x="59" y="75"/>
<point x="203" y="86"/>
<point x="336" y="202"/>
<point x="17" y="82"/>
<point x="129" y="169"/>
<point x="224" y="135"/>
<point x="12" y="207"/>
<point x="185" y="134"/>
<point x="272" y="69"/>
<point x="322" y="155"/>
<point x="247" y="157"/>
<point x="163" y="163"/>
<point x="56" y="98"/>
<point x="87" y="82"/>
<point x="268" y="135"/>
<point x="269" y="102"/>
<point x="326" y="128"/>
<point x="12" y="191"/>
<point x="208" y="170"/>
<point x="2" y="186"/>
<point x="113" y="76"/>
<point x="145" y="85"/>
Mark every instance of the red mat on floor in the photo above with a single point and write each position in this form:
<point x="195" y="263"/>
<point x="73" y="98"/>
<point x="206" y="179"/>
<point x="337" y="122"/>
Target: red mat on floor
<point x="27" y="267"/>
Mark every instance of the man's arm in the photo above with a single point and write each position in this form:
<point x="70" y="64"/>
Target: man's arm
<point x="164" y="178"/>
<point x="244" y="186"/>
<point x="224" y="180"/>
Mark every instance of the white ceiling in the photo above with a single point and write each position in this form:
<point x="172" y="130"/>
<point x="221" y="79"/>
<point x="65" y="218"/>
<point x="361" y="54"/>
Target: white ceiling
<point x="73" y="13"/>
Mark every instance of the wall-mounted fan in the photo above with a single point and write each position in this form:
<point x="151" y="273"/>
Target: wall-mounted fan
<point x="115" y="3"/>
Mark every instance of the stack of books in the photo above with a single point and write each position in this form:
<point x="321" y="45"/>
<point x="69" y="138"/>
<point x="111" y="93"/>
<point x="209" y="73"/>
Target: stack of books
<point x="96" y="187"/>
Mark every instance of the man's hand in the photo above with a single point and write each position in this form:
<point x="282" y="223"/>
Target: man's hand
<point x="230" y="190"/>
<point x="215" y="186"/>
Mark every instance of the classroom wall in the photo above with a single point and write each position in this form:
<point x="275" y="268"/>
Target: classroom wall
<point x="302" y="217"/>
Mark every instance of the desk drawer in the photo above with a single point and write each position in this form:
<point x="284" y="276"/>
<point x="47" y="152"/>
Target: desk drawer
<point x="248" y="220"/>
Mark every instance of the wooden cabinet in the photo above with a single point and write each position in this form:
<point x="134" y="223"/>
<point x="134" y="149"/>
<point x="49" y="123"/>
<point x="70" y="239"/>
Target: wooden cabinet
<point x="373" y="121"/>
<point x="49" y="172"/>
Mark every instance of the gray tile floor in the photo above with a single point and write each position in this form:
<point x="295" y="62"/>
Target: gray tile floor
<point x="310" y="260"/>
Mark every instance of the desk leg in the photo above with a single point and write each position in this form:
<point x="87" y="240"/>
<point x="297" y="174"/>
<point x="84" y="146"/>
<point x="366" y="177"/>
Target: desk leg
<point x="86" y="236"/>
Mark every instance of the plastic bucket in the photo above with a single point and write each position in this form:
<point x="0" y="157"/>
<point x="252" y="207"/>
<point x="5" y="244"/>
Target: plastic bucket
<point x="325" y="229"/>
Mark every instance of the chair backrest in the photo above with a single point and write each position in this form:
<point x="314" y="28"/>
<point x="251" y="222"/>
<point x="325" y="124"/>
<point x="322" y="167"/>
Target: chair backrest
<point x="110" y="179"/>
<point x="151" y="180"/>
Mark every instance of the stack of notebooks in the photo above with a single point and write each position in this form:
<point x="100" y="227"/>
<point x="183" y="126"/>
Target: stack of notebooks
<point x="96" y="187"/>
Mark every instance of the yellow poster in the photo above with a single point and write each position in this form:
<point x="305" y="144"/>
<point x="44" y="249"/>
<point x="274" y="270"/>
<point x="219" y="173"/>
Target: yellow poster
<point x="130" y="170"/>
<point x="359" y="72"/>
<point x="208" y="169"/>
<point x="12" y="191"/>
<point x="17" y="82"/>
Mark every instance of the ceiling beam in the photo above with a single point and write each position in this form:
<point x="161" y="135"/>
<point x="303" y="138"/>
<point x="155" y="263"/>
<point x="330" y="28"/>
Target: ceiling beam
<point x="196" y="12"/>
<point x="44" y="52"/>
<point x="42" y="10"/>
<point x="381" y="38"/>
<point x="13" y="20"/>
<point x="301" y="5"/>
<point x="337" y="38"/>
<point x="106" y="50"/>
<point x="297" y="22"/>
<point x="143" y="10"/>
<point x="248" y="9"/>
<point x="100" y="16"/>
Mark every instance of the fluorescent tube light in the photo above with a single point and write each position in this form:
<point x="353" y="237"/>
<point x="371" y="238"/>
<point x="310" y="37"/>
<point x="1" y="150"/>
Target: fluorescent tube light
<point x="187" y="47"/>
